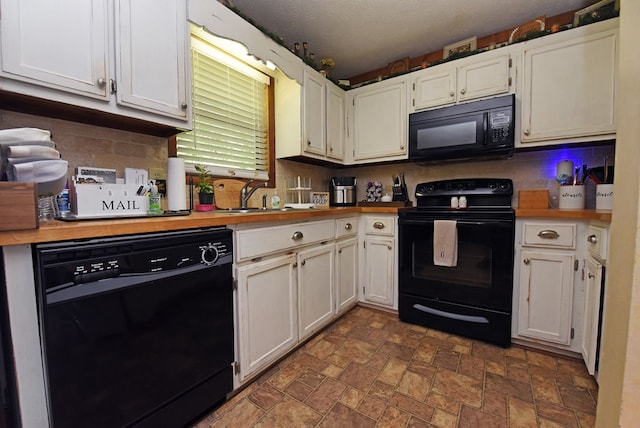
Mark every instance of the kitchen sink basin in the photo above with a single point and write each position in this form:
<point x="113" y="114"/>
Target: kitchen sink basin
<point x="252" y="210"/>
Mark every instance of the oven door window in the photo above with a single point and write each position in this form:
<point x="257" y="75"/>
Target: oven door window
<point x="484" y="272"/>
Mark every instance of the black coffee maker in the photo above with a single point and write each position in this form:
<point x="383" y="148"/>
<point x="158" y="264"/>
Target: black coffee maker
<point x="342" y="191"/>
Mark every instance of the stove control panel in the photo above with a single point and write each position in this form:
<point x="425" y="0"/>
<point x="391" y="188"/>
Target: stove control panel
<point x="465" y="186"/>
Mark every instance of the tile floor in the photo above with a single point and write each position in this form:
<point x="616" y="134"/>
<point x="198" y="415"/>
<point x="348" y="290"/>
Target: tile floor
<point x="371" y="370"/>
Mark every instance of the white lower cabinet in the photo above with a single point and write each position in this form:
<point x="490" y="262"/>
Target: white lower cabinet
<point x="267" y="315"/>
<point x="592" y="298"/>
<point x="315" y="269"/>
<point x="285" y="275"/>
<point x="546" y="296"/>
<point x="379" y="261"/>
<point x="346" y="274"/>
<point x="548" y="291"/>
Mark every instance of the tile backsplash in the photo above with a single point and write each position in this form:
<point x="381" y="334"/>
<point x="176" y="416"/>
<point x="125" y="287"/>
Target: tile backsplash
<point x="87" y="145"/>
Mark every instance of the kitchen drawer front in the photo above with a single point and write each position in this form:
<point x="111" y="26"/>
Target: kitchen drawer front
<point x="597" y="240"/>
<point x="549" y="235"/>
<point x="385" y="226"/>
<point x="252" y="243"/>
<point x="346" y="227"/>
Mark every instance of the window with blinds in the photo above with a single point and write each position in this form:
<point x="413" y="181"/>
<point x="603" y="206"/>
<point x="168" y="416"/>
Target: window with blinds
<point x="230" y="116"/>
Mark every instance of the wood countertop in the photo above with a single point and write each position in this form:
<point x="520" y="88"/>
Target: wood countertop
<point x="57" y="230"/>
<point x="601" y="215"/>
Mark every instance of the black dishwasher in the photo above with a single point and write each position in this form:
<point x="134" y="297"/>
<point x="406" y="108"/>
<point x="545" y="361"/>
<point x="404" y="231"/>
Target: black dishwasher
<point x="137" y="330"/>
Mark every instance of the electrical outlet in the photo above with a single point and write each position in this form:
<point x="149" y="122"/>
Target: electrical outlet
<point x="156" y="173"/>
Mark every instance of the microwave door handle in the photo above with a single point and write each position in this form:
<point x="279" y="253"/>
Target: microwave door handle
<point x="485" y="128"/>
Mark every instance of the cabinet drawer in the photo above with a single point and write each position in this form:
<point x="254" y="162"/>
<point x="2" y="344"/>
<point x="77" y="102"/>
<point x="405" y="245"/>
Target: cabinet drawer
<point x="257" y="242"/>
<point x="549" y="235"/>
<point x="346" y="227"/>
<point x="380" y="226"/>
<point x="597" y="240"/>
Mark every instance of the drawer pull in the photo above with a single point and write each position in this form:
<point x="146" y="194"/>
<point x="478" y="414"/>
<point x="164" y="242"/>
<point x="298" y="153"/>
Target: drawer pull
<point x="592" y="239"/>
<point x="526" y="261"/>
<point x="378" y="225"/>
<point x="348" y="226"/>
<point x="548" y="234"/>
<point x="297" y="236"/>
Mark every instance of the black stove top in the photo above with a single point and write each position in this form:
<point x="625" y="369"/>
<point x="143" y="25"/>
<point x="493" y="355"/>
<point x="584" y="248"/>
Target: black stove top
<point x="462" y="196"/>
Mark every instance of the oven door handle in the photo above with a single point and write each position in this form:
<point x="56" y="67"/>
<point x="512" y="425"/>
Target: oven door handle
<point x="468" y="318"/>
<point x="462" y="222"/>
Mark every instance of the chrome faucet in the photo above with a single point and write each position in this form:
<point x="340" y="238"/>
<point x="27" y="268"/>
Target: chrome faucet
<point x="245" y="195"/>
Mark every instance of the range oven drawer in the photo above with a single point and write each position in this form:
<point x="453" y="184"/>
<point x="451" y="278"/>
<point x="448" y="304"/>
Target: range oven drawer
<point x="483" y="324"/>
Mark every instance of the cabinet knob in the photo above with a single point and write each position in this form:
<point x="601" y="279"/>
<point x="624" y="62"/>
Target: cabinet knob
<point x="331" y="149"/>
<point x="297" y="236"/>
<point x="526" y="261"/>
<point x="451" y="94"/>
<point x="592" y="239"/>
<point x="348" y="226"/>
<point x="308" y="143"/>
<point x="548" y="234"/>
<point x="340" y="251"/>
<point x="389" y="247"/>
<point x="183" y="106"/>
<point x="304" y="262"/>
<point x="378" y="225"/>
<point x="590" y="275"/>
<point x="527" y="132"/>
<point x="463" y="91"/>
<point x="401" y="146"/>
<point x="101" y="82"/>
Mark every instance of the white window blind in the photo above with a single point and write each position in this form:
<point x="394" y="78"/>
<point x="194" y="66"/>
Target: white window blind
<point x="230" y="116"/>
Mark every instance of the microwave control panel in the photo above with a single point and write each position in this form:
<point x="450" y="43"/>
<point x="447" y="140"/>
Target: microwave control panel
<point x="500" y="125"/>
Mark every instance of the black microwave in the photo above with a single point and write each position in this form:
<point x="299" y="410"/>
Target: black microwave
<point x="476" y="130"/>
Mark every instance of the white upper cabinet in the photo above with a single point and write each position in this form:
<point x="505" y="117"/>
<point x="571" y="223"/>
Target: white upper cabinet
<point x="568" y="90"/>
<point x="151" y="61"/>
<point x="479" y="76"/>
<point x="60" y="45"/>
<point x="378" y="120"/>
<point x="335" y="122"/>
<point x="81" y="53"/>
<point x="320" y="104"/>
<point x="314" y="113"/>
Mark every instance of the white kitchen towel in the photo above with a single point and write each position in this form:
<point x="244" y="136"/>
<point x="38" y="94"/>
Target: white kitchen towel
<point x="14" y="135"/>
<point x="445" y="243"/>
<point x="31" y="151"/>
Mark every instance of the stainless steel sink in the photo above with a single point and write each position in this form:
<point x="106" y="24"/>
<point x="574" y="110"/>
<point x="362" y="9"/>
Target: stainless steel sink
<point x="252" y="210"/>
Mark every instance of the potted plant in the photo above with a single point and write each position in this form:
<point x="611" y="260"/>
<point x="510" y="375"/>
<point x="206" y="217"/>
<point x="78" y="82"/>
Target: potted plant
<point x="204" y="185"/>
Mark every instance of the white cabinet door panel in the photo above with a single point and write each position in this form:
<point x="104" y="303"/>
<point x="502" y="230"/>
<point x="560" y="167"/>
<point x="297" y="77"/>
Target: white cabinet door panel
<point x="434" y="88"/>
<point x="484" y="78"/>
<point x="546" y="296"/>
<point x="379" y="270"/>
<point x="151" y="61"/>
<point x="61" y="45"/>
<point x="314" y="113"/>
<point x="346" y="273"/>
<point x="335" y="122"/>
<point x="267" y="312"/>
<point x="593" y="294"/>
<point x="315" y="288"/>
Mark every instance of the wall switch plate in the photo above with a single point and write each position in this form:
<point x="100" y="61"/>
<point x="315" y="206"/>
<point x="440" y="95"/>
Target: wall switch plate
<point x="156" y="173"/>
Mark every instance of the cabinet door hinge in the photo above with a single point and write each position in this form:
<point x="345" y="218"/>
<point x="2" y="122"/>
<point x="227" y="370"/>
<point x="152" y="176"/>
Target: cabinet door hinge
<point x="364" y="244"/>
<point x="114" y="86"/>
<point x="235" y="284"/>
<point x="509" y="81"/>
<point x="573" y="332"/>
<point x="413" y="86"/>
<point x="510" y="62"/>
<point x="576" y="264"/>
<point x="413" y="102"/>
<point x="236" y="367"/>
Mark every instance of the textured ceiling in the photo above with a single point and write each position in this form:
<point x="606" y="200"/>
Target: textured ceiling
<point x="363" y="35"/>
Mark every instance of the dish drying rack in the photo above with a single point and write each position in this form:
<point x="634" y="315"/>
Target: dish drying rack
<point x="298" y="192"/>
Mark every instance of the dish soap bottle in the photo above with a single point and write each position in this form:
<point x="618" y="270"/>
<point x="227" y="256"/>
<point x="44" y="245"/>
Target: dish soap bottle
<point x="275" y="200"/>
<point x="155" y="206"/>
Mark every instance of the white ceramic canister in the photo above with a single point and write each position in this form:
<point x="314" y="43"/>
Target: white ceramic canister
<point x="571" y="197"/>
<point x="604" y="196"/>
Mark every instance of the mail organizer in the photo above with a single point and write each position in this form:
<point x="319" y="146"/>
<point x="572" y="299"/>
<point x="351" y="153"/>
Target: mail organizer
<point x="107" y="200"/>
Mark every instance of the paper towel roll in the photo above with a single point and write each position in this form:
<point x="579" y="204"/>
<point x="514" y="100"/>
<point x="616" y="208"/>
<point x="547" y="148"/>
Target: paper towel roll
<point x="176" y="185"/>
<point x="564" y="171"/>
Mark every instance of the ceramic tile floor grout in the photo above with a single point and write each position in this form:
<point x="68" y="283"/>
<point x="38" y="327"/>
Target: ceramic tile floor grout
<point x="369" y="369"/>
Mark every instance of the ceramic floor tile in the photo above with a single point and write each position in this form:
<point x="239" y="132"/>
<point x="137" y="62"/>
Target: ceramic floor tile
<point x="369" y="369"/>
